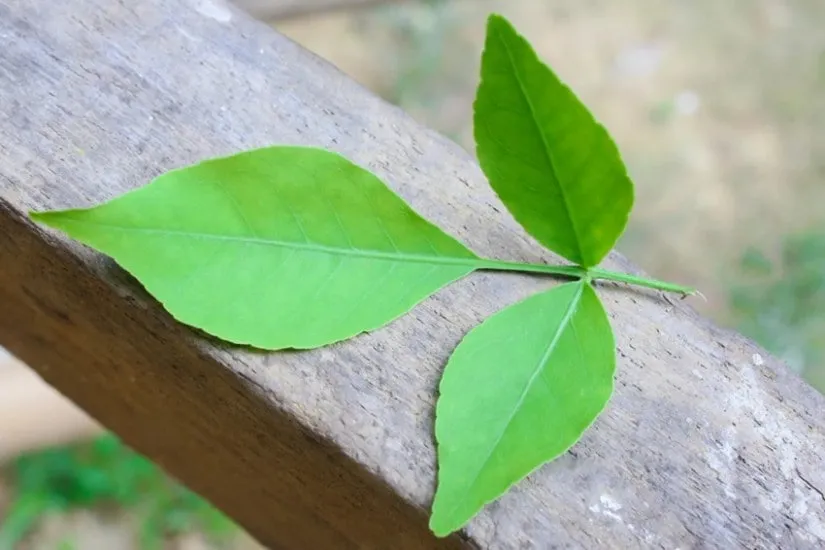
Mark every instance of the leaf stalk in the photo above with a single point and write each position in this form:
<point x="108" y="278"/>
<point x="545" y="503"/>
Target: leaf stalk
<point x="615" y="276"/>
<point x="591" y="274"/>
<point x="573" y="271"/>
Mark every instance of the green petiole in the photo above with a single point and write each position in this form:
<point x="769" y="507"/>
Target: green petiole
<point x="573" y="271"/>
<point x="578" y="272"/>
<point x="607" y="275"/>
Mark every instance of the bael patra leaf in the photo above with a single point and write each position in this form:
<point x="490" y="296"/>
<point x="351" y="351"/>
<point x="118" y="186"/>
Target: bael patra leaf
<point x="277" y="247"/>
<point x="519" y="390"/>
<point x="551" y="163"/>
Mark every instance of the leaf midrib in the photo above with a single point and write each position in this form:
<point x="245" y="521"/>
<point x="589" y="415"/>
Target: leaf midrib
<point x="471" y="262"/>
<point x="546" y="145"/>
<point x="551" y="347"/>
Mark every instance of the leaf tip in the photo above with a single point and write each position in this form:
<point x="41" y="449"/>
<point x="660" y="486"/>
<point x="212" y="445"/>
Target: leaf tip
<point x="497" y="24"/>
<point x="49" y="218"/>
<point x="439" y="527"/>
<point x="495" y="19"/>
<point x="43" y="217"/>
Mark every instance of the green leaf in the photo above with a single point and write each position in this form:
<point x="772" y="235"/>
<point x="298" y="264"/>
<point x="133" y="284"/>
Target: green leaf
<point x="519" y="390"/>
<point x="276" y="247"/>
<point x="552" y="164"/>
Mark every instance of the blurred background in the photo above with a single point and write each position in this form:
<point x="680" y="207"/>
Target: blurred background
<point x="717" y="108"/>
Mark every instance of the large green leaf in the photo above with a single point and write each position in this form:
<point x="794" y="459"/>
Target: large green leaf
<point x="276" y="247"/>
<point x="519" y="390"/>
<point x="551" y="163"/>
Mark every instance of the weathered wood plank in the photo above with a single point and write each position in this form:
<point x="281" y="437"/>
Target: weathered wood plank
<point x="281" y="9"/>
<point x="708" y="442"/>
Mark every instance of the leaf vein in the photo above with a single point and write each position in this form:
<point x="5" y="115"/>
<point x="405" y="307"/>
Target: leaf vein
<point x="473" y="262"/>
<point x="373" y="288"/>
<point x="547" y="150"/>
<point x="297" y="222"/>
<point x="235" y="206"/>
<point x="551" y="346"/>
<point x="378" y="218"/>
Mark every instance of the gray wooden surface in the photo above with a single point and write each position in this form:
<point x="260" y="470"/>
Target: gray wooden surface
<point x="707" y="443"/>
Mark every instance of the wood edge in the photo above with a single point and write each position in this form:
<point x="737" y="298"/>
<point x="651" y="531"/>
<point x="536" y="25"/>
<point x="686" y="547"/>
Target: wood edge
<point x="134" y="370"/>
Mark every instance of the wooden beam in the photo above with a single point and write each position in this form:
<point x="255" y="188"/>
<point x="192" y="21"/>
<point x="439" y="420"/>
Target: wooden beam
<point x="270" y="10"/>
<point x="708" y="441"/>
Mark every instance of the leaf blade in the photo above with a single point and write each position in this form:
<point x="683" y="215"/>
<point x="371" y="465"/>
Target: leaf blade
<point x="280" y="247"/>
<point x="488" y="418"/>
<point x="553" y="165"/>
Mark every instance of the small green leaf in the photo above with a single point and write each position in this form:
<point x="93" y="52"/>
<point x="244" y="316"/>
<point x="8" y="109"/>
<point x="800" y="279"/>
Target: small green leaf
<point x="276" y="247"/>
<point x="552" y="164"/>
<point x="519" y="390"/>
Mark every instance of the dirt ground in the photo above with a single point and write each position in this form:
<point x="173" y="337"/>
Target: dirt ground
<point x="717" y="107"/>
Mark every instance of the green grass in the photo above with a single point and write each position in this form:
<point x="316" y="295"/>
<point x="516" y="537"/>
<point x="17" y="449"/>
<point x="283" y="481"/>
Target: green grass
<point x="105" y="474"/>
<point x="780" y="303"/>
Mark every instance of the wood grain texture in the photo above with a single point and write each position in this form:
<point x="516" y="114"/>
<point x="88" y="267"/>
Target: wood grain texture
<point x="707" y="443"/>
